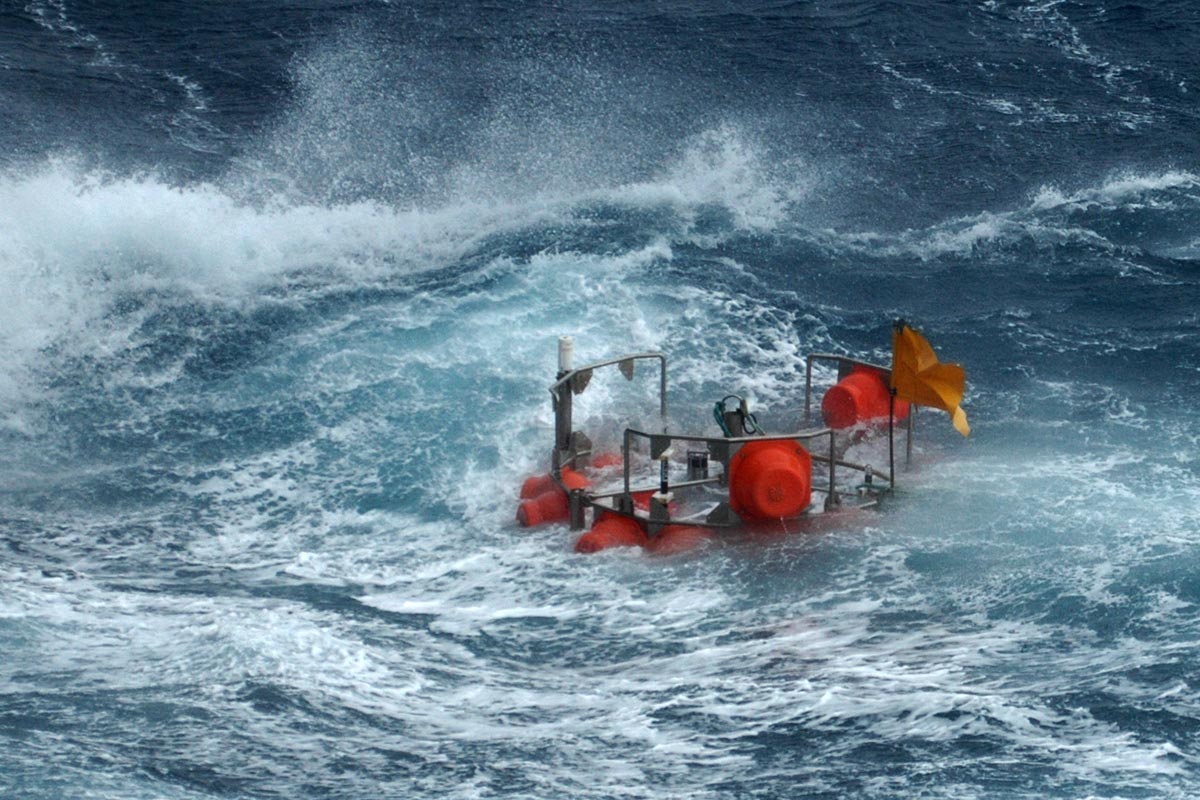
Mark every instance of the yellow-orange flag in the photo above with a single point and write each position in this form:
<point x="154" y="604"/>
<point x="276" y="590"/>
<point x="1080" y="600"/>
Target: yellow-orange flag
<point x="919" y="377"/>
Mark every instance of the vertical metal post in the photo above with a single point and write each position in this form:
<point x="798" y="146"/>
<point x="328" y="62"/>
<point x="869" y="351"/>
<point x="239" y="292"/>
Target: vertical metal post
<point x="660" y="513"/>
<point x="625" y="502"/>
<point x="575" y="509"/>
<point x="912" y="426"/>
<point x="832" y="500"/>
<point x="662" y="392"/>
<point x="625" y="447"/>
<point x="808" y="362"/>
<point x="562" y="404"/>
<point x="562" y="424"/>
<point x="891" y="439"/>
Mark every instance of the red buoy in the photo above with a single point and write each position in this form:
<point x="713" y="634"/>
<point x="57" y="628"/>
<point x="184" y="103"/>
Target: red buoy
<point x="674" y="539"/>
<point x="611" y="530"/>
<point x="537" y="484"/>
<point x="770" y="480"/>
<point x="861" y="396"/>
<point x="543" y="501"/>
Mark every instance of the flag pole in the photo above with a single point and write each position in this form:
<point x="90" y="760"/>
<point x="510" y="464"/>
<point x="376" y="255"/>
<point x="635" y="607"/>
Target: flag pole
<point x="897" y="325"/>
<point x="891" y="439"/>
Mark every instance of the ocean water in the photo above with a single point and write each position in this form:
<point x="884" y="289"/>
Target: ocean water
<point x="282" y="284"/>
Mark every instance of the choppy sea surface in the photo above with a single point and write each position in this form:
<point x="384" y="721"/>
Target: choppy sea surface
<point x="281" y="286"/>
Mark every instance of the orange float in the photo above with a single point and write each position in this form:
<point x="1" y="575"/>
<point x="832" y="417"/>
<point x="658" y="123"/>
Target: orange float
<point x="769" y="480"/>
<point x="611" y="530"/>
<point x="674" y="539"/>
<point x="537" y="484"/>
<point x="861" y="396"/>
<point x="543" y="500"/>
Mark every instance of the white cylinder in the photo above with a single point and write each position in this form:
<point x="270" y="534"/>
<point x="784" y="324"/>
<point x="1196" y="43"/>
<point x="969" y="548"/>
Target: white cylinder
<point x="566" y="353"/>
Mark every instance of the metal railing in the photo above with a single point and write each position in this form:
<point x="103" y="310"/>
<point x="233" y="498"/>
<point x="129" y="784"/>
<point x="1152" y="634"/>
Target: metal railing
<point x="567" y="442"/>
<point x="720" y="448"/>
<point x="570" y="445"/>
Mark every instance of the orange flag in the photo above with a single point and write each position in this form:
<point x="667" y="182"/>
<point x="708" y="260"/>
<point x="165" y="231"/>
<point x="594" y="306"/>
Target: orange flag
<point x="919" y="377"/>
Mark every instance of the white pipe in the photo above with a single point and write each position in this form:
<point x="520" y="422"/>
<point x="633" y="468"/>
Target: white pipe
<point x="566" y="353"/>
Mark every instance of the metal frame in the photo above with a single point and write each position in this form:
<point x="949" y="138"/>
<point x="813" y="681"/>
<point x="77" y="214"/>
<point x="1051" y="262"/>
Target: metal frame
<point x="573" y="448"/>
<point x="723" y="450"/>
<point x="569" y="445"/>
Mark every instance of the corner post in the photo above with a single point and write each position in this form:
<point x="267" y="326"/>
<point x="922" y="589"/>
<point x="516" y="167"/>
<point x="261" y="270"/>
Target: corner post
<point x="891" y="438"/>
<point x="562" y="404"/>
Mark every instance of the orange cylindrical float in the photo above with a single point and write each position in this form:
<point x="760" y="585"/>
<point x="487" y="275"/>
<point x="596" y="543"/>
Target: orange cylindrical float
<point x="674" y="539"/>
<point x="611" y="530"/>
<point x="769" y="480"/>
<point x="537" y="484"/>
<point x="542" y="500"/>
<point x="861" y="396"/>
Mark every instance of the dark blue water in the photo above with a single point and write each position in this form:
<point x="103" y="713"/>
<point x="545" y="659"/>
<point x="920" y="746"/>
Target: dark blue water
<point x="282" y="284"/>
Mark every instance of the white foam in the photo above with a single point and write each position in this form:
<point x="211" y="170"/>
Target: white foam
<point x="1041" y="222"/>
<point x="722" y="166"/>
<point x="1117" y="190"/>
<point x="74" y="245"/>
